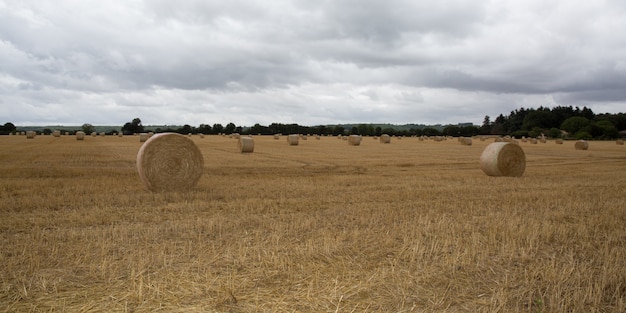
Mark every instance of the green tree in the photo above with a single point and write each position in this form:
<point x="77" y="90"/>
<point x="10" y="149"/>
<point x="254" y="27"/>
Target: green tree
<point x="230" y="128"/>
<point x="7" y="128"/>
<point x="133" y="127"/>
<point x="218" y="128"/>
<point x="574" y="124"/>
<point x="88" y="128"/>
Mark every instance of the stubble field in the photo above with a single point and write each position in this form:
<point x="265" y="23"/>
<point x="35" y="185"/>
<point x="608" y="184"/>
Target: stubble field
<point x="410" y="226"/>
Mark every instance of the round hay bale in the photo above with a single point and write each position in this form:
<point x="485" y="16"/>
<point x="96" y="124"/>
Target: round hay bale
<point x="581" y="145"/>
<point x="80" y="135"/>
<point x="169" y="162"/>
<point x="30" y="134"/>
<point x="276" y="136"/>
<point x="503" y="159"/>
<point x="143" y="137"/>
<point x="533" y="141"/>
<point x="620" y="142"/>
<point x="465" y="141"/>
<point x="56" y="133"/>
<point x="384" y="138"/>
<point x="559" y="141"/>
<point x="293" y="139"/>
<point x="354" y="140"/>
<point x="246" y="144"/>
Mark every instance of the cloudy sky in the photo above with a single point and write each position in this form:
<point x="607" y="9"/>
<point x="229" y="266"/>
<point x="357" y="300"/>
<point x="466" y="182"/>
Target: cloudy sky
<point x="70" y="62"/>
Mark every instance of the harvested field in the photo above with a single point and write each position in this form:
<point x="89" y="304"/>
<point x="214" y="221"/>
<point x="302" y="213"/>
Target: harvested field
<point x="414" y="226"/>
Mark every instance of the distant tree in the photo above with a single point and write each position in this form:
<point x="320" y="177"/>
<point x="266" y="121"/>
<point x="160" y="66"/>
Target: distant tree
<point x="354" y="131"/>
<point x="204" y="129"/>
<point x="338" y="130"/>
<point x="452" y="130"/>
<point x="378" y="131"/>
<point x="574" y="124"/>
<point x="7" y="128"/>
<point x="429" y="131"/>
<point x="133" y="127"/>
<point x="485" y="128"/>
<point x="88" y="128"/>
<point x="554" y="133"/>
<point x="230" y="128"/>
<point x="218" y="128"/>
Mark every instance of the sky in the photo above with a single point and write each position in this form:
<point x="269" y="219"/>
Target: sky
<point x="71" y="62"/>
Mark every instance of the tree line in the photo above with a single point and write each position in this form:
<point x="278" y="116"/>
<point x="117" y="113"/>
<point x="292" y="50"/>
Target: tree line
<point x="558" y="122"/>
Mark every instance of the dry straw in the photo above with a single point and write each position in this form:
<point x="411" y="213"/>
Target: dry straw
<point x="169" y="162"/>
<point x="620" y="142"/>
<point x="30" y="134"/>
<point x="56" y="133"/>
<point x="354" y="140"/>
<point x="384" y="138"/>
<point x="246" y="145"/>
<point x="581" y="145"/>
<point x="80" y="135"/>
<point x="143" y="137"/>
<point x="559" y="141"/>
<point x="293" y="139"/>
<point x="503" y="159"/>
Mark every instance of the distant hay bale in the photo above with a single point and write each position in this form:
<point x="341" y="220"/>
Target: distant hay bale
<point x="503" y="159"/>
<point x="276" y="136"/>
<point x="246" y="145"/>
<point x="293" y="139"/>
<point x="236" y="135"/>
<point x="56" y="133"/>
<point x="318" y="137"/>
<point x="354" y="140"/>
<point x="384" y="138"/>
<point x="102" y="134"/>
<point x="80" y="135"/>
<point x="120" y="134"/>
<point x="499" y="139"/>
<point x="465" y="141"/>
<point x="533" y="141"/>
<point x="581" y="145"/>
<point x="169" y="162"/>
<point x="94" y="134"/>
<point x="143" y="137"/>
<point x="559" y="141"/>
<point x="30" y="134"/>
<point x="620" y="142"/>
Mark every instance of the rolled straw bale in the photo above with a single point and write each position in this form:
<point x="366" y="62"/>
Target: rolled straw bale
<point x="67" y="133"/>
<point x="503" y="159"/>
<point x="102" y="134"/>
<point x="581" y="145"/>
<point x="620" y="142"/>
<point x="246" y="145"/>
<point x="293" y="139"/>
<point x="533" y="141"/>
<point x="465" y="141"/>
<point x="499" y="139"/>
<point x="303" y="137"/>
<point x="169" y="162"/>
<point x="120" y="134"/>
<point x="30" y="134"/>
<point x="559" y="141"/>
<point x="94" y="134"/>
<point x="143" y="137"/>
<point x="80" y="135"/>
<point x="318" y="137"/>
<point x="276" y="136"/>
<point x="56" y="133"/>
<point x="354" y="140"/>
<point x="384" y="138"/>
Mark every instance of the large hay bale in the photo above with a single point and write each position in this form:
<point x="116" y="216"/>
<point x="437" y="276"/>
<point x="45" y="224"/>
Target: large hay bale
<point x="354" y="140"/>
<point x="293" y="139"/>
<point x="581" y="145"/>
<point x="30" y="134"/>
<point x="503" y="159"/>
<point x="80" y="135"/>
<point x="276" y="136"/>
<point x="384" y="138"/>
<point x="169" y="162"/>
<point x="56" y="133"/>
<point x="246" y="145"/>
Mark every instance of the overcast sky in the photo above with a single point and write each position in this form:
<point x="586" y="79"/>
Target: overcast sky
<point x="70" y="62"/>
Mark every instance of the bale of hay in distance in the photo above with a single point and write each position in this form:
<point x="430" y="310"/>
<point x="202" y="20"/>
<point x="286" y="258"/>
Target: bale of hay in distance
<point x="143" y="137"/>
<point x="293" y="139"/>
<point x="246" y="144"/>
<point x="384" y="138"/>
<point x="169" y="162"/>
<point x="620" y="142"/>
<point x="30" y="134"/>
<point x="56" y="133"/>
<point x="354" y="140"/>
<point x="80" y="135"/>
<point x="559" y="141"/>
<point x="503" y="159"/>
<point x="581" y="145"/>
<point x="465" y="141"/>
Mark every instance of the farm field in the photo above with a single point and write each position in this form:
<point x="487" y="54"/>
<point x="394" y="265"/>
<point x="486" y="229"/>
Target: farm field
<point x="410" y="226"/>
